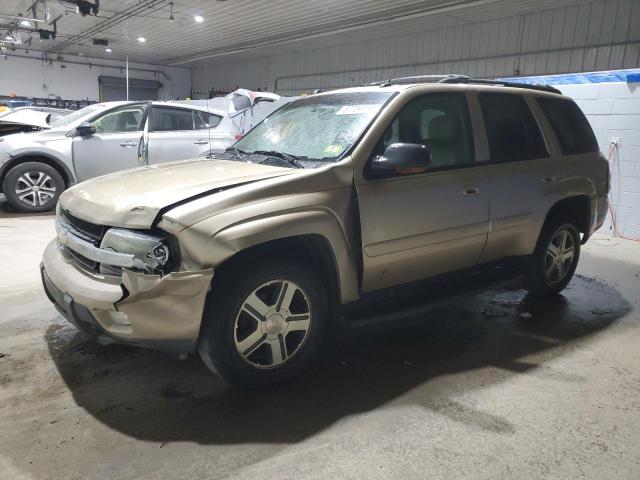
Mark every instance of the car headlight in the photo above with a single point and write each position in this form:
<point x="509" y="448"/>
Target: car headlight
<point x="151" y="250"/>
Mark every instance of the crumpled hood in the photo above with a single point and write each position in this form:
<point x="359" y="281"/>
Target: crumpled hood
<point x="20" y="139"/>
<point x="32" y="118"/>
<point x="133" y="198"/>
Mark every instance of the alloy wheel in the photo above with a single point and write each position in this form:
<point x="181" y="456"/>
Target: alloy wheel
<point x="559" y="256"/>
<point x="272" y="324"/>
<point x="35" y="188"/>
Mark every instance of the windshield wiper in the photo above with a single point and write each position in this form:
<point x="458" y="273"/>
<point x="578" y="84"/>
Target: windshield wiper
<point x="236" y="152"/>
<point x="287" y="157"/>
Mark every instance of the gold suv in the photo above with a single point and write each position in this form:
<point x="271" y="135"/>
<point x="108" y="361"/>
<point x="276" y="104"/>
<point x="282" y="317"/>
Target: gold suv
<point x="249" y="256"/>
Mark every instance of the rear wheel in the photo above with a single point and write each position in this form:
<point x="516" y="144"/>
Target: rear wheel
<point x="555" y="260"/>
<point x="33" y="187"/>
<point x="263" y="326"/>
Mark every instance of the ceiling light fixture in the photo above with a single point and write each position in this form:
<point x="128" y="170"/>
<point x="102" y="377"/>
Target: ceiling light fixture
<point x="199" y="18"/>
<point x="26" y="23"/>
<point x="142" y="39"/>
<point x="108" y="50"/>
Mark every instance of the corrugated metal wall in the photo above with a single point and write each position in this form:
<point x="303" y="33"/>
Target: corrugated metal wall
<point x="599" y="35"/>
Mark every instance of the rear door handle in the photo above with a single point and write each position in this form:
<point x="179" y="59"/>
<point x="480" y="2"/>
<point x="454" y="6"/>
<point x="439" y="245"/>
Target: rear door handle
<point x="201" y="142"/>
<point x="549" y="179"/>
<point x="471" y="191"/>
<point x="128" y="144"/>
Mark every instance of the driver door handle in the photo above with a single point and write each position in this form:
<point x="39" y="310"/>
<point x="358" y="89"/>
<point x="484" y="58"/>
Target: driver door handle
<point x="201" y="142"/>
<point x="128" y="144"/>
<point x="469" y="191"/>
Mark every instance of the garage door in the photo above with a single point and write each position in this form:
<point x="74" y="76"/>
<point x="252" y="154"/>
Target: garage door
<point x="115" y="88"/>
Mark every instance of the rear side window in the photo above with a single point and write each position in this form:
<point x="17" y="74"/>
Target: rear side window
<point x="204" y="120"/>
<point x="171" y="119"/>
<point x="512" y="131"/>
<point x="569" y="124"/>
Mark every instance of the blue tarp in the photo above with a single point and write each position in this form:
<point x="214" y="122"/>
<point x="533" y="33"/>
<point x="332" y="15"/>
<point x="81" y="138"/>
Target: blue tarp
<point x="611" y="76"/>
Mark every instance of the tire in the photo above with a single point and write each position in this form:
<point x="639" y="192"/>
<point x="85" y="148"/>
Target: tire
<point x="273" y="342"/>
<point x="551" y="267"/>
<point x="33" y="187"/>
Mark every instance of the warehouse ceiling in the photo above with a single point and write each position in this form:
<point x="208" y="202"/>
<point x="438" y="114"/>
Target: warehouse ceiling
<point x="184" y="32"/>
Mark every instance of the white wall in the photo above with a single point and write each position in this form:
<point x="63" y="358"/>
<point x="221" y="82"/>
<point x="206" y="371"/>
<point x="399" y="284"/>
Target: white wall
<point x="613" y="109"/>
<point x="599" y="35"/>
<point x="31" y="77"/>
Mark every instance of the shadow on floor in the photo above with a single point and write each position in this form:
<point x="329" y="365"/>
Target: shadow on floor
<point x="150" y="396"/>
<point x="7" y="211"/>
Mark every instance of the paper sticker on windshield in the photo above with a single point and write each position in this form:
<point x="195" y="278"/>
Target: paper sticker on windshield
<point x="358" y="110"/>
<point x="333" y="149"/>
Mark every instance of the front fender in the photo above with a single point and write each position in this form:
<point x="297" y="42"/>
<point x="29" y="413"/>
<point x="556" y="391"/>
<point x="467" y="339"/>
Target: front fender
<point x="214" y="249"/>
<point x="52" y="158"/>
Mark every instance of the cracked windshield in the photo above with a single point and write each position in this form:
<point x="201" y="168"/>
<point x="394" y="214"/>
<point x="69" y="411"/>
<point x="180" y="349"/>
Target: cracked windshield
<point x="317" y="128"/>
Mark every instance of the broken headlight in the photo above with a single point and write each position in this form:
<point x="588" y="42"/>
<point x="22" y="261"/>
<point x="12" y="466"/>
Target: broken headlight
<point x="151" y="252"/>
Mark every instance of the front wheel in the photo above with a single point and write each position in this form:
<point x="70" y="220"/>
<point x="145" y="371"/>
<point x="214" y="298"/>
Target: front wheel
<point x="555" y="260"/>
<point x="33" y="187"/>
<point x="263" y="325"/>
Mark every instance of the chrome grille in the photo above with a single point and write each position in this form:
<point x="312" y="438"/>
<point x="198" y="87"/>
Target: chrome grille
<point x="82" y="260"/>
<point x="87" y="231"/>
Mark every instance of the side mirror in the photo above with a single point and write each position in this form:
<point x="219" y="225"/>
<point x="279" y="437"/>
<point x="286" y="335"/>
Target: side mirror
<point x="85" y="129"/>
<point x="400" y="159"/>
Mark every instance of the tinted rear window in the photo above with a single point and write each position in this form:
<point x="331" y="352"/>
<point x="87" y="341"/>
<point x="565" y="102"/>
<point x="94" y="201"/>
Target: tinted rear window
<point x="171" y="119"/>
<point x="569" y="124"/>
<point x="512" y="131"/>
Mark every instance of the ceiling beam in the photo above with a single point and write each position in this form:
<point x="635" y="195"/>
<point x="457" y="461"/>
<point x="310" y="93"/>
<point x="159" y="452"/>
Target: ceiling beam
<point x="387" y="16"/>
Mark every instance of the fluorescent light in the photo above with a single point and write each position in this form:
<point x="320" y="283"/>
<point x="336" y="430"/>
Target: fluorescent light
<point x="142" y="39"/>
<point x="199" y="18"/>
<point x="108" y="50"/>
<point x="26" y="23"/>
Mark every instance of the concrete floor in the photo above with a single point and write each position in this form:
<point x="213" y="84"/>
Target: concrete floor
<point x="495" y="385"/>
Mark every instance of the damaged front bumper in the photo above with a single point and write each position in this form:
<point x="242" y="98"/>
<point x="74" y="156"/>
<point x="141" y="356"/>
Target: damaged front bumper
<point x="163" y="312"/>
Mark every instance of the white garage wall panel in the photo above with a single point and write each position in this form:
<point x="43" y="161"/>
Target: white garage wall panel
<point x="30" y="77"/>
<point x="599" y="35"/>
<point x="613" y="109"/>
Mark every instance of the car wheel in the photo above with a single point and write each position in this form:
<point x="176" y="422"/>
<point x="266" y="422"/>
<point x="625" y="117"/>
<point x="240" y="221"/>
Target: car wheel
<point x="33" y="187"/>
<point x="264" y="326"/>
<point x="555" y="260"/>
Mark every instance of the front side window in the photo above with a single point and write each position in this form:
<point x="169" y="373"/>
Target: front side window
<point x="123" y="119"/>
<point x="170" y="119"/>
<point x="439" y="121"/>
<point x="512" y="130"/>
<point x="569" y="124"/>
<point x="319" y="127"/>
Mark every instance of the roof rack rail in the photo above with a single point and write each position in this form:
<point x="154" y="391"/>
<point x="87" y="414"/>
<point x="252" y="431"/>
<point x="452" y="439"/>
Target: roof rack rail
<point x="479" y="81"/>
<point x="456" y="78"/>
<point x="417" y="79"/>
